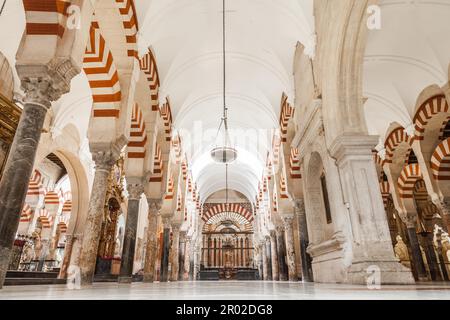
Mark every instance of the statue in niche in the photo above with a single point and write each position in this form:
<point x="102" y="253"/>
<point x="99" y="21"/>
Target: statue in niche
<point x="28" y="252"/>
<point x="37" y="244"/>
<point x="446" y="247"/>
<point x="401" y="252"/>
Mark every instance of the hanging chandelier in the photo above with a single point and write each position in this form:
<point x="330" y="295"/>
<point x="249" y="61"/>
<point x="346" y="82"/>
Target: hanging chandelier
<point x="224" y="153"/>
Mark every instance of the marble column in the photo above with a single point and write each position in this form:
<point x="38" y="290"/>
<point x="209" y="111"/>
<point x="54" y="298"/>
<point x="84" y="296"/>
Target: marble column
<point x="281" y="253"/>
<point x="269" y="258"/>
<point x="19" y="165"/>
<point x="290" y="252"/>
<point x="274" y="255"/>
<point x="135" y="191"/>
<point x="181" y="255"/>
<point x="174" y="252"/>
<point x="165" y="251"/>
<point x="67" y="255"/>
<point x="416" y="253"/>
<point x="187" y="259"/>
<point x="104" y="160"/>
<point x="431" y="256"/>
<point x="265" y="264"/>
<point x="304" y="240"/>
<point x="154" y="205"/>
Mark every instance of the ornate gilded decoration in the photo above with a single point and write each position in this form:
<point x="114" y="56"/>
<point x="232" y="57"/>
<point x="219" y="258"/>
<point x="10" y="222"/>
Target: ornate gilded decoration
<point x="9" y="119"/>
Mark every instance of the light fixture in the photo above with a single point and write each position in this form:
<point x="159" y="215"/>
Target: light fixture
<point x="224" y="153"/>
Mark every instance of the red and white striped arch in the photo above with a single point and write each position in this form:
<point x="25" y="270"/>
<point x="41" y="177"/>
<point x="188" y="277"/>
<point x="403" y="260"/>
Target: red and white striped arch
<point x="26" y="214"/>
<point x="429" y="109"/>
<point x="138" y="136"/>
<point x="35" y="189"/>
<point x="98" y="64"/>
<point x="157" y="174"/>
<point x="233" y="207"/>
<point x="385" y="192"/>
<point x="46" y="17"/>
<point x="395" y="138"/>
<point x="287" y="112"/>
<point x="150" y="69"/>
<point x="166" y="114"/>
<point x="294" y="163"/>
<point x="440" y="161"/>
<point x="407" y="180"/>
<point x="45" y="218"/>
<point x="130" y="24"/>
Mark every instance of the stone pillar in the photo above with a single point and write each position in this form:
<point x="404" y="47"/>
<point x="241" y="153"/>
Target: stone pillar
<point x="274" y="255"/>
<point x="104" y="160"/>
<point x="19" y="166"/>
<point x="174" y="252"/>
<point x="181" y="255"/>
<point x="416" y="253"/>
<point x="268" y="259"/>
<point x="165" y="251"/>
<point x="282" y="253"/>
<point x="304" y="240"/>
<point x="154" y="205"/>
<point x="367" y="227"/>
<point x="135" y="192"/>
<point x="187" y="259"/>
<point x="431" y="256"/>
<point x="265" y="264"/>
<point x="67" y="255"/>
<point x="290" y="253"/>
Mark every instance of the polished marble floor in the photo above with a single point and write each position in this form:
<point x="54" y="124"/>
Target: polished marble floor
<point x="228" y="291"/>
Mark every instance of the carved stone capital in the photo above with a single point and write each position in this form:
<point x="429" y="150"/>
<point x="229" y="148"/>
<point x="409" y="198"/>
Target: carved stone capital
<point x="287" y="222"/>
<point x="135" y="191"/>
<point x="40" y="91"/>
<point x="176" y="227"/>
<point x="166" y="222"/>
<point x="299" y="205"/>
<point x="154" y="205"/>
<point x="104" y="160"/>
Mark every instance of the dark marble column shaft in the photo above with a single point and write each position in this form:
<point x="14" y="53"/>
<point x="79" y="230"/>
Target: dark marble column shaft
<point x="416" y="253"/>
<point x="269" y="259"/>
<point x="129" y="239"/>
<point x="304" y="241"/>
<point x="16" y="177"/>
<point x="154" y="205"/>
<point x="174" y="253"/>
<point x="275" y="255"/>
<point x="165" y="251"/>
<point x="431" y="256"/>
<point x="181" y="255"/>
<point x="282" y="254"/>
<point x="104" y="160"/>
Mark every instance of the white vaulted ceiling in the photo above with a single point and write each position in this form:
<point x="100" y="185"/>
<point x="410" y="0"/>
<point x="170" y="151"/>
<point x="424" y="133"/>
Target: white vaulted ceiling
<point x="410" y="53"/>
<point x="186" y="37"/>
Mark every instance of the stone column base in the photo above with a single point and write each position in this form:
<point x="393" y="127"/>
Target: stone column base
<point x="387" y="272"/>
<point x="125" y="280"/>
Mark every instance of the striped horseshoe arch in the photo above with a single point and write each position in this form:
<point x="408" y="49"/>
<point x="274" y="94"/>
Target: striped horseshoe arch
<point x="407" y="180"/>
<point x="138" y="136"/>
<point x="394" y="139"/>
<point x="98" y="64"/>
<point x="287" y="112"/>
<point x="385" y="192"/>
<point x="150" y="69"/>
<point x="429" y="109"/>
<point x="234" y="207"/>
<point x="46" y="18"/>
<point x="440" y="161"/>
<point x="130" y="25"/>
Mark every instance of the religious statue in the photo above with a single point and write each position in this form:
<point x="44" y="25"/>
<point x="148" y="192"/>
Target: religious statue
<point x="37" y="244"/>
<point x="28" y="253"/>
<point x="401" y="252"/>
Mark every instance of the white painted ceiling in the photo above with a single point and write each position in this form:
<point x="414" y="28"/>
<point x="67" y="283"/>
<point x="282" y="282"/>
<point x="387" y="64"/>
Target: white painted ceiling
<point x="408" y="54"/>
<point x="186" y="36"/>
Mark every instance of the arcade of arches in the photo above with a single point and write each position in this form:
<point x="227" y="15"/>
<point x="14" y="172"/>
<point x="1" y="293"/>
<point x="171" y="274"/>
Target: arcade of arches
<point x="109" y="110"/>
